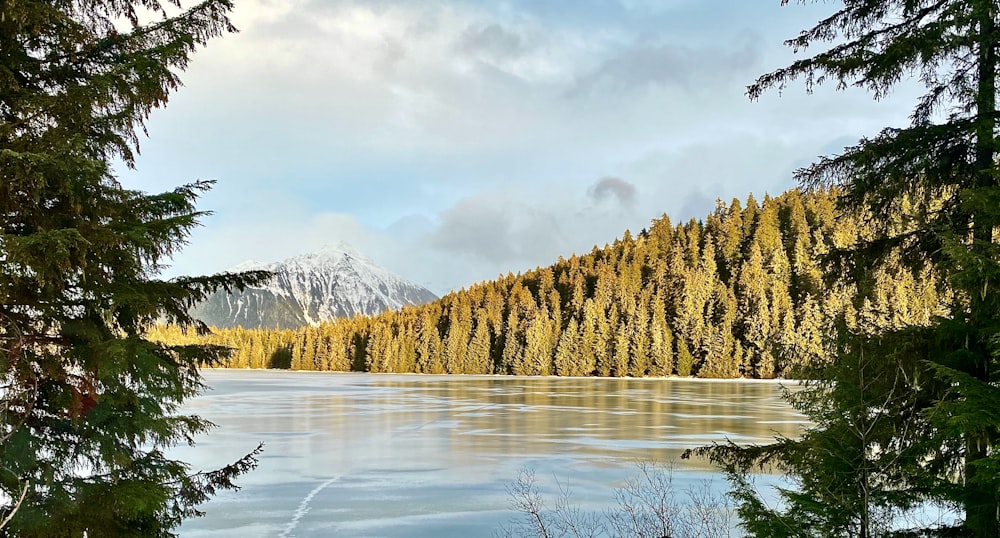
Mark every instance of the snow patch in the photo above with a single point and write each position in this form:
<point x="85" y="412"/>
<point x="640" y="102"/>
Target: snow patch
<point x="336" y="281"/>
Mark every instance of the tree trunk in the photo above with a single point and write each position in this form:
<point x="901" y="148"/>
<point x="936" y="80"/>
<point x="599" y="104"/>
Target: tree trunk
<point x="982" y="504"/>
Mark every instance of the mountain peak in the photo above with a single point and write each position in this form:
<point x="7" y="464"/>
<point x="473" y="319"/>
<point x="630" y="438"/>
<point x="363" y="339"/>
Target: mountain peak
<point x="339" y="248"/>
<point x="336" y="281"/>
<point x="330" y="254"/>
<point x="247" y="265"/>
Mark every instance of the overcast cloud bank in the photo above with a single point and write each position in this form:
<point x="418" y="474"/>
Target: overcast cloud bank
<point x="453" y="141"/>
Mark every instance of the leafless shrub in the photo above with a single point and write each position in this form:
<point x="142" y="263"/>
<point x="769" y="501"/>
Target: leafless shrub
<point x="649" y="506"/>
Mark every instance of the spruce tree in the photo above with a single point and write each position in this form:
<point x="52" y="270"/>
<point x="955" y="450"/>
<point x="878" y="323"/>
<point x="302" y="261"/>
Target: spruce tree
<point x="937" y="179"/>
<point x="568" y="353"/>
<point x="478" y="356"/>
<point x="851" y="464"/>
<point x="685" y="361"/>
<point x="89" y="404"/>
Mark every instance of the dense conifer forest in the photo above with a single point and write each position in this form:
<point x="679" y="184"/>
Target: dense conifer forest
<point x="743" y="293"/>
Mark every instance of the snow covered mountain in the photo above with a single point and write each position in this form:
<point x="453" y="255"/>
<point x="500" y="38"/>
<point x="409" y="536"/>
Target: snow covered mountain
<point x="337" y="281"/>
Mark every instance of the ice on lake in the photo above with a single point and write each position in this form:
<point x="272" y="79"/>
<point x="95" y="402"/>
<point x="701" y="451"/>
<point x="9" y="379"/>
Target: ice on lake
<point x="419" y="456"/>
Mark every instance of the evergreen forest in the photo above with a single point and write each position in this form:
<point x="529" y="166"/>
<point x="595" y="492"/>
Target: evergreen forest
<point x="878" y="280"/>
<point x="749" y="291"/>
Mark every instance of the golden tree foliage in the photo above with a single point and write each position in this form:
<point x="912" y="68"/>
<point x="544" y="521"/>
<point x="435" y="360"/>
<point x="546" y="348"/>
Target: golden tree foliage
<point x="738" y="295"/>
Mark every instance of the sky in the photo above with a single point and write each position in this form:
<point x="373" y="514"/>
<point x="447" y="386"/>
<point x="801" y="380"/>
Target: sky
<point x="452" y="141"/>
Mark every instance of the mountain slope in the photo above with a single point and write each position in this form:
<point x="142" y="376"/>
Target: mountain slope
<point x="337" y="281"/>
<point x="742" y="293"/>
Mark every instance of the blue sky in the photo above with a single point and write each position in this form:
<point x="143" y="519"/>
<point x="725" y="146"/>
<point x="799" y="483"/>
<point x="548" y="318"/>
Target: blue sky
<point x="453" y="141"/>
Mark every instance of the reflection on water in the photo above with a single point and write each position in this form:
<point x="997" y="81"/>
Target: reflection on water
<point x="406" y="455"/>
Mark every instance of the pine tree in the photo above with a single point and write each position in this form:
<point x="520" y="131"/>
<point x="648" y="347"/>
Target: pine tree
<point x="607" y="331"/>
<point x="730" y="240"/>
<point x="860" y="444"/>
<point x="522" y="309"/>
<point x="538" y="347"/>
<point x="567" y="360"/>
<point x="308" y="350"/>
<point x="639" y="339"/>
<point x="661" y="351"/>
<point x="405" y="351"/>
<point x="456" y="343"/>
<point x="478" y="357"/>
<point x="755" y="313"/>
<point x="685" y="361"/>
<point x="378" y="350"/>
<point x="89" y="403"/>
<point x="620" y="351"/>
<point x="339" y="345"/>
<point x="590" y="344"/>
<point x="938" y="180"/>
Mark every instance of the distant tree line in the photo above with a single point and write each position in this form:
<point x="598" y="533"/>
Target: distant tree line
<point x="742" y="293"/>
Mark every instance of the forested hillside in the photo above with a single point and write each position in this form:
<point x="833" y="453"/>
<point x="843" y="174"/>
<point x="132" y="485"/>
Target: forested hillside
<point x="740" y="294"/>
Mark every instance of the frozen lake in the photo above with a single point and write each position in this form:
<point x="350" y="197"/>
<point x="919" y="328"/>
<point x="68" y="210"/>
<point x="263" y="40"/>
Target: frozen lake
<point x="426" y="456"/>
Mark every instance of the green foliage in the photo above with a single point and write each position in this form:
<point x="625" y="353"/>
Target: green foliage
<point x="868" y="460"/>
<point x="913" y="422"/>
<point x="88" y="404"/>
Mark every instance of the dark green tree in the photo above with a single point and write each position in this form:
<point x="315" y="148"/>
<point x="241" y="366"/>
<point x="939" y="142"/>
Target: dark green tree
<point x="857" y="468"/>
<point x="88" y="404"/>
<point x="936" y="179"/>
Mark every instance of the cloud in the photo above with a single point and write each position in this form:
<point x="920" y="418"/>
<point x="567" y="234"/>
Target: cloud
<point x="410" y="227"/>
<point x="492" y="41"/>
<point x="696" y="204"/>
<point x="281" y="226"/>
<point x="645" y="64"/>
<point x="608" y="187"/>
<point x="496" y="227"/>
<point x="437" y="137"/>
<point x="476" y="226"/>
<point x="653" y="6"/>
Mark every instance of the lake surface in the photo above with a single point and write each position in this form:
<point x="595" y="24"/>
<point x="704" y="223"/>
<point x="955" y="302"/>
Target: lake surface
<point x="426" y="456"/>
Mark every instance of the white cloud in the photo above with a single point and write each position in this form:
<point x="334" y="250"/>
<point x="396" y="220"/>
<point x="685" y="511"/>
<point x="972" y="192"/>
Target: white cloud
<point x="454" y="141"/>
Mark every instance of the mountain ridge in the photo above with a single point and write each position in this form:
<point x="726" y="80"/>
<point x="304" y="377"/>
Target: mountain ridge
<point x="311" y="288"/>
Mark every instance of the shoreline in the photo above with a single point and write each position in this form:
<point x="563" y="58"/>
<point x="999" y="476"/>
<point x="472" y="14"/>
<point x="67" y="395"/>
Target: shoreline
<point x="505" y="376"/>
